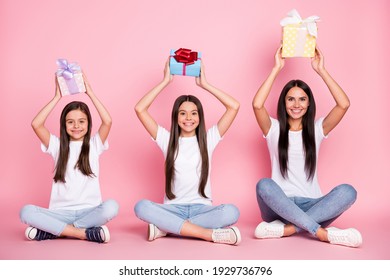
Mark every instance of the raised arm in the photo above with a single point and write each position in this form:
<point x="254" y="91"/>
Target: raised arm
<point x="142" y="107"/>
<point x="105" y="117"/>
<point x="232" y="105"/>
<point x="262" y="116"/>
<point x="38" y="123"/>
<point x="342" y="100"/>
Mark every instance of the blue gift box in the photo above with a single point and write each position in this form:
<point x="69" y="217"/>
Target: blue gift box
<point x="184" y="69"/>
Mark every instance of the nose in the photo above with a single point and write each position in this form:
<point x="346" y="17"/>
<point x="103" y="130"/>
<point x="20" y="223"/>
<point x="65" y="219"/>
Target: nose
<point x="188" y="117"/>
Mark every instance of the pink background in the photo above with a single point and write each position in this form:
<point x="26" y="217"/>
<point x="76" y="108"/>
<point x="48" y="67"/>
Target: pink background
<point x="122" y="47"/>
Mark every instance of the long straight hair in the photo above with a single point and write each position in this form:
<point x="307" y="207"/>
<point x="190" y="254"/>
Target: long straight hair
<point x="308" y="131"/>
<point x="173" y="146"/>
<point x="83" y="160"/>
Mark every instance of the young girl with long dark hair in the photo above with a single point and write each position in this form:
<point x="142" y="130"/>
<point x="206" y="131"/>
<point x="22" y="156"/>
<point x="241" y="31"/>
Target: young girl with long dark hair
<point x="76" y="209"/>
<point x="291" y="201"/>
<point x="187" y="209"/>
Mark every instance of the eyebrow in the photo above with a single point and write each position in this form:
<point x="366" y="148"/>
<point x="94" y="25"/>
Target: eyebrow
<point x="76" y="119"/>
<point x="289" y="96"/>
<point x="189" y="111"/>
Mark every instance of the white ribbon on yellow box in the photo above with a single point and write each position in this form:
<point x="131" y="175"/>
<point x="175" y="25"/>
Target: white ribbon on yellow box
<point x="299" y="35"/>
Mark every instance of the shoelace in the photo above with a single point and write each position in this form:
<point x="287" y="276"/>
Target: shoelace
<point x="93" y="234"/>
<point x="340" y="236"/>
<point x="43" y="235"/>
<point x="222" y="236"/>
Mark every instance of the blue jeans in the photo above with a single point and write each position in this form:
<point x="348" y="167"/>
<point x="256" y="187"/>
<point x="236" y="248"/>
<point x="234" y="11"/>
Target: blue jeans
<point x="171" y="217"/>
<point x="305" y="213"/>
<point x="55" y="221"/>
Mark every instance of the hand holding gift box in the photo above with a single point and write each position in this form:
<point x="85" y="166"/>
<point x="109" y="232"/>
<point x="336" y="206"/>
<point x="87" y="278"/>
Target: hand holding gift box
<point x="185" y="62"/>
<point x="299" y="35"/>
<point x="70" y="78"/>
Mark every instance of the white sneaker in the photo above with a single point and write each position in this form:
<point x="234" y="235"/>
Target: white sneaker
<point x="227" y="235"/>
<point x="273" y="229"/>
<point x="348" y="237"/>
<point x="154" y="232"/>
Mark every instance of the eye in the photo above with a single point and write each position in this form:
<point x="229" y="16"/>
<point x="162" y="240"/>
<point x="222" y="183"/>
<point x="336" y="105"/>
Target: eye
<point x="194" y="113"/>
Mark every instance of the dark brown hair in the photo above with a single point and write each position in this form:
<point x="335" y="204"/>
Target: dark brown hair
<point x="308" y="131"/>
<point x="173" y="147"/>
<point x="83" y="161"/>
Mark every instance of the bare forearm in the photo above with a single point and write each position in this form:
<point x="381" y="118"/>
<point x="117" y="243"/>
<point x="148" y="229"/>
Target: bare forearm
<point x="147" y="100"/>
<point x="337" y="92"/>
<point x="264" y="90"/>
<point x="41" y="117"/>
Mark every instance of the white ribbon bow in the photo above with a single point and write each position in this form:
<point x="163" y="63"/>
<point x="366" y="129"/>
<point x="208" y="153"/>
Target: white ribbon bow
<point x="293" y="17"/>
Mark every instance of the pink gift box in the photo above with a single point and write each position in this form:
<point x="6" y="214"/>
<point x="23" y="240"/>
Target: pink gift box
<point x="70" y="78"/>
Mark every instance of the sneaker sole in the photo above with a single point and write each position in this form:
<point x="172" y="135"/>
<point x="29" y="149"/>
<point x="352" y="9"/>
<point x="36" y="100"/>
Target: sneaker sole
<point x="238" y="235"/>
<point x="106" y="234"/>
<point x="28" y="231"/>
<point x="151" y="232"/>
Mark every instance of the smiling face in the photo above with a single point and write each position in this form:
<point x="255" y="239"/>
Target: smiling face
<point x="76" y="125"/>
<point x="297" y="103"/>
<point x="188" y="119"/>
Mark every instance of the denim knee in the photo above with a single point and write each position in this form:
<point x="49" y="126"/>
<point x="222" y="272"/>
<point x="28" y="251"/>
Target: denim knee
<point x="25" y="213"/>
<point x="264" y="186"/>
<point x="140" y="207"/>
<point x="111" y="208"/>
<point x="347" y="192"/>
<point x="231" y="213"/>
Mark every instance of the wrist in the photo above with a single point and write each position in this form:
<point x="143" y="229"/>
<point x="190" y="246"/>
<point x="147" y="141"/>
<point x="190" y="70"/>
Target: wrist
<point x="276" y="69"/>
<point x="165" y="81"/>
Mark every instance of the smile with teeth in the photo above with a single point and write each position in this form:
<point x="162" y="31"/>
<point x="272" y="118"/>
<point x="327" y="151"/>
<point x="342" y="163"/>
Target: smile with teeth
<point x="296" y="111"/>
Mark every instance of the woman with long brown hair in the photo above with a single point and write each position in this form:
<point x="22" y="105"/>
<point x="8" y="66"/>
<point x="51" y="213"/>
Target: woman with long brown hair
<point x="187" y="209"/>
<point x="291" y="201"/>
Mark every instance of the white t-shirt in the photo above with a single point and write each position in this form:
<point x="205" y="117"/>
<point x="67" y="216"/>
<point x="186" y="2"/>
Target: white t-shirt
<point x="188" y="166"/>
<point x="79" y="191"/>
<point x="296" y="183"/>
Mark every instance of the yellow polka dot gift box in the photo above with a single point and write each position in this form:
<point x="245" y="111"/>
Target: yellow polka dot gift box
<point x="299" y="35"/>
<point x="69" y="77"/>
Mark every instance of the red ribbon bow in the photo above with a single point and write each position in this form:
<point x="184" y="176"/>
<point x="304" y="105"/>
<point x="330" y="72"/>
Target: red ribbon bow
<point x="185" y="56"/>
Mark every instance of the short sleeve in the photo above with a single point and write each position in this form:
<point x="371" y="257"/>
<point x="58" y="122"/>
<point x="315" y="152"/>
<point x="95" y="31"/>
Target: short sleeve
<point x="273" y="129"/>
<point x="162" y="139"/>
<point x="53" y="148"/>
<point x="98" y="145"/>
<point x="213" y="137"/>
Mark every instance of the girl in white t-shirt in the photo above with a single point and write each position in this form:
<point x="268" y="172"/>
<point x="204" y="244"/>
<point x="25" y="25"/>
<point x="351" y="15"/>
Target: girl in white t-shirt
<point x="292" y="201"/>
<point x="187" y="209"/>
<point x="76" y="209"/>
